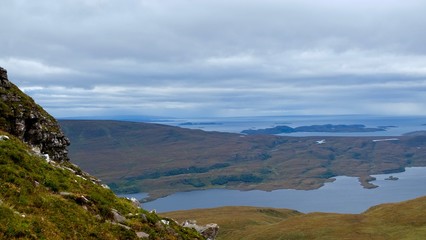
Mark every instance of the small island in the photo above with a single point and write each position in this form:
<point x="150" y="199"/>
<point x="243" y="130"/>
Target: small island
<point x="391" y="178"/>
<point x="199" y="123"/>
<point x="314" y="128"/>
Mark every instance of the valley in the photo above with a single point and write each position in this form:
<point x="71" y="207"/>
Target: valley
<point x="160" y="160"/>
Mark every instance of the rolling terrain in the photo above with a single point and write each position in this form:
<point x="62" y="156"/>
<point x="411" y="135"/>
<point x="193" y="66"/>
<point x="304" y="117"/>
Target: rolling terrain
<point x="405" y="220"/>
<point x="159" y="159"/>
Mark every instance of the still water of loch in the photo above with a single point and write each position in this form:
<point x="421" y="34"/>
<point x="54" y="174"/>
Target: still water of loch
<point x="345" y="195"/>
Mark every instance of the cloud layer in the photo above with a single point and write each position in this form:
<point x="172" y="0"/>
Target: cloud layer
<point x="216" y="57"/>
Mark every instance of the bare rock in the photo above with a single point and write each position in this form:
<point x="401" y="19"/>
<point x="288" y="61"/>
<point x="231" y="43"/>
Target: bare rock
<point x="118" y="217"/>
<point x="142" y="235"/>
<point x="3" y="78"/>
<point x="208" y="231"/>
<point x="4" y="137"/>
<point x="23" y="118"/>
<point x="135" y="202"/>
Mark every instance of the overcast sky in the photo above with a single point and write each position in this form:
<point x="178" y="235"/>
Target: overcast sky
<point x="195" y="58"/>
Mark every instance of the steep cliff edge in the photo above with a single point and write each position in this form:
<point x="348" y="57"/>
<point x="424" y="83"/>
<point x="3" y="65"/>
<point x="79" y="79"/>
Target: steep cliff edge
<point x="22" y="117"/>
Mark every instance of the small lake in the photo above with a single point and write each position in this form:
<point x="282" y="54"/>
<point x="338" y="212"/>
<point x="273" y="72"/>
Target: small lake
<point x="345" y="195"/>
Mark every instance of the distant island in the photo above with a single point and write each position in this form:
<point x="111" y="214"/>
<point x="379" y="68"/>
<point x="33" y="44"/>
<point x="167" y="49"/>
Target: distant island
<point x="314" y="128"/>
<point x="392" y="178"/>
<point x="386" y="127"/>
<point x="199" y="123"/>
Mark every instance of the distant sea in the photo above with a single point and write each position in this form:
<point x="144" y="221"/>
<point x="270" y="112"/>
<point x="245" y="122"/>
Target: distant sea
<point x="395" y="126"/>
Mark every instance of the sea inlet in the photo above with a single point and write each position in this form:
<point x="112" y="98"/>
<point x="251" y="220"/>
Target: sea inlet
<point x="344" y="195"/>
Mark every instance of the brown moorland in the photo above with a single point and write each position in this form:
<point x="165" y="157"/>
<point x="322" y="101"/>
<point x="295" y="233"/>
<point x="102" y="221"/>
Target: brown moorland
<point x="405" y="220"/>
<point x="161" y="159"/>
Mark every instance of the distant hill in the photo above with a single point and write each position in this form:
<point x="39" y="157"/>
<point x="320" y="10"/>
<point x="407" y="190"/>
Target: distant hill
<point x="44" y="196"/>
<point x="405" y="220"/>
<point x="161" y="159"/>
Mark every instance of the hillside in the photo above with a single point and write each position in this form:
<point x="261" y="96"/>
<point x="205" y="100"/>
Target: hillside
<point x="160" y="159"/>
<point x="42" y="200"/>
<point x="405" y="220"/>
<point x="44" y="196"/>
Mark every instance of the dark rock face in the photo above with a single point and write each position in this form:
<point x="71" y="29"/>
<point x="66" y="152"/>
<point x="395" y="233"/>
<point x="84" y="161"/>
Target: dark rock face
<point x="3" y="78"/>
<point x="22" y="117"/>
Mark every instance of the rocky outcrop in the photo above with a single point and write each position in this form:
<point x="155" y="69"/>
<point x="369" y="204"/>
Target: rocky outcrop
<point x="22" y="117"/>
<point x="208" y="231"/>
<point x="3" y="78"/>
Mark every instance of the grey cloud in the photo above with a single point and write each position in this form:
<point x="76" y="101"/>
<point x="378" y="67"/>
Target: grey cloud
<point x="230" y="57"/>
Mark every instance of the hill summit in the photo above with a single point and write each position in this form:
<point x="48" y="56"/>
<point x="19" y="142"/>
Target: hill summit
<point x="45" y="196"/>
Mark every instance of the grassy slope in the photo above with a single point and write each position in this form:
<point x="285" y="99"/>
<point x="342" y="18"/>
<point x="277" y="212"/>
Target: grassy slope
<point x="405" y="220"/>
<point x="140" y="156"/>
<point x="32" y="206"/>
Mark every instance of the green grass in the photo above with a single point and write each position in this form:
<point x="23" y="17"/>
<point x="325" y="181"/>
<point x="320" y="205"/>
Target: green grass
<point x="40" y="200"/>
